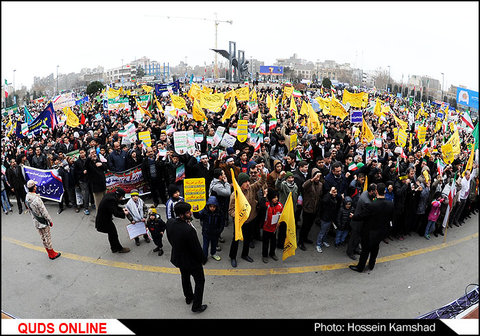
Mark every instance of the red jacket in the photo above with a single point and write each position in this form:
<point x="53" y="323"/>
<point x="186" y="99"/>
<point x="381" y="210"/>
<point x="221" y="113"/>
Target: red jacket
<point x="271" y="211"/>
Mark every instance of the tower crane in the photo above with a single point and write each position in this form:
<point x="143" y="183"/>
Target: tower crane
<point x="216" y="21"/>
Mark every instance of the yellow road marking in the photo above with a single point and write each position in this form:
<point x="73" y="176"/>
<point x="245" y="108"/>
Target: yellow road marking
<point x="234" y="271"/>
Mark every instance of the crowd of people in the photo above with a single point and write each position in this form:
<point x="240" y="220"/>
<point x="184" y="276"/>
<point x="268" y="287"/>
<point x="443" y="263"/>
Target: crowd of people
<point x="332" y="178"/>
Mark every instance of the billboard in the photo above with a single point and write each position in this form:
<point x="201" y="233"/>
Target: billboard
<point x="271" y="70"/>
<point x="467" y="97"/>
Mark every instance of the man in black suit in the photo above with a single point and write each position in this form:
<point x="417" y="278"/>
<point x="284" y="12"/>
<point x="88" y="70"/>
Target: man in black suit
<point x="377" y="218"/>
<point x="187" y="254"/>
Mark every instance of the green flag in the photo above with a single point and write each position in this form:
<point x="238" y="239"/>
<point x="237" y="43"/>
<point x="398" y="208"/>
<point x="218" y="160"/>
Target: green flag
<point x="475" y="136"/>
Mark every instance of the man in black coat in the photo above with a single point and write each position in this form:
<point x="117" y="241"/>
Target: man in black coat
<point x="153" y="173"/>
<point x="377" y="219"/>
<point x="16" y="183"/>
<point x="96" y="170"/>
<point x="187" y="254"/>
<point x="109" y="206"/>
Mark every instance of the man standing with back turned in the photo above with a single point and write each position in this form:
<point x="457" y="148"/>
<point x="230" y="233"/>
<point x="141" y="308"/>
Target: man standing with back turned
<point x="187" y="254"/>
<point x="377" y="218"/>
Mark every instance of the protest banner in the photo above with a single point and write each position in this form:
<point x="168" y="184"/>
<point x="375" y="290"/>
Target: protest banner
<point x="195" y="193"/>
<point x="64" y="100"/>
<point x="356" y="116"/>
<point x="49" y="183"/>
<point x="127" y="180"/>
<point x="145" y="138"/>
<point x="228" y="141"/>
<point x="242" y="130"/>
<point x="217" y="137"/>
<point x="136" y="230"/>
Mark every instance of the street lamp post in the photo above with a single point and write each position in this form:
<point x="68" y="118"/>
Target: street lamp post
<point x="14" y="86"/>
<point x="57" y="79"/>
<point x="388" y="77"/>
<point x="443" y="83"/>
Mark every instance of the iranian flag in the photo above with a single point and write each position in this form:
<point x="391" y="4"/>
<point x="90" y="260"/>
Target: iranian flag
<point x="352" y="167"/>
<point x="272" y="124"/>
<point x="424" y="149"/>
<point x="451" y="196"/>
<point x="467" y="119"/>
<point x="297" y="93"/>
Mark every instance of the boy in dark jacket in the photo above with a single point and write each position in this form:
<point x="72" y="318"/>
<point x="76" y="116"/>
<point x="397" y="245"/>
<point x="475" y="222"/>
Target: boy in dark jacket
<point x="212" y="221"/>
<point x="344" y="217"/>
<point x="156" y="226"/>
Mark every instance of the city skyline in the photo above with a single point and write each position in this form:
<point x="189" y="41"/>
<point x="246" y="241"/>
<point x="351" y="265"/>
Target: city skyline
<point x="420" y="45"/>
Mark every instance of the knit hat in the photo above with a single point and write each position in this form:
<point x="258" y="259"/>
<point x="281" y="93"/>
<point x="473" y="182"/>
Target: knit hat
<point x="242" y="178"/>
<point x="152" y="211"/>
<point x="288" y="174"/>
<point x="31" y="183"/>
<point x="172" y="189"/>
<point x="181" y="208"/>
<point x="134" y="192"/>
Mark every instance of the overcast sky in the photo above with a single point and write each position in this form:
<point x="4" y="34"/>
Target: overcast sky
<point x="413" y="38"/>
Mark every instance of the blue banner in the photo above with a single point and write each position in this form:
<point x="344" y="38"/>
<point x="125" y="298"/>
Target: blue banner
<point x="356" y="116"/>
<point x="271" y="70"/>
<point x="49" y="183"/>
<point x="467" y="97"/>
<point x="161" y="88"/>
<point x="48" y="118"/>
<point x="82" y="100"/>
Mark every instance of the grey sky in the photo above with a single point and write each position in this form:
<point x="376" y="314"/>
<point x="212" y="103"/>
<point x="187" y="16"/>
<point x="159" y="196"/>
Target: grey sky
<point x="421" y="38"/>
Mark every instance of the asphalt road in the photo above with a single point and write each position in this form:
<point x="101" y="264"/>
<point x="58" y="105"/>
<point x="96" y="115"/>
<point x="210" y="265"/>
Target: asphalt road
<point x="412" y="277"/>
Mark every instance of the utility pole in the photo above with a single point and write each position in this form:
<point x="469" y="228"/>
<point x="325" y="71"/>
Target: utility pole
<point x="443" y="83"/>
<point x="57" y="80"/>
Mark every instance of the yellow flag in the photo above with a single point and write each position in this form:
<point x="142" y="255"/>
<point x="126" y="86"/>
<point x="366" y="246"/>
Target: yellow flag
<point x="304" y="108"/>
<point x="230" y="94"/>
<point x="470" y="160"/>
<point x="365" y="99"/>
<point x="293" y="107"/>
<point x="147" y="88"/>
<point x="287" y="91"/>
<point x="159" y="106"/>
<point x="242" y="93"/>
<point x="447" y="153"/>
<point x="242" y="208"/>
<point x="254" y="95"/>
<point x="273" y="110"/>
<point x="336" y="109"/>
<point x="195" y="91"/>
<point x="422" y="132"/>
<point x="455" y="142"/>
<point x="178" y="102"/>
<point x="259" y="120"/>
<point x="211" y="101"/>
<point x="293" y="141"/>
<point x="378" y="108"/>
<point x="313" y="118"/>
<point x="366" y="132"/>
<point x="207" y="90"/>
<point x="402" y="137"/>
<point x="197" y="111"/>
<point x="355" y="99"/>
<point x="72" y="119"/>
<point x="112" y="93"/>
<point x="426" y="175"/>
<point x="231" y="110"/>
<point x="365" y="185"/>
<point x="438" y="126"/>
<point x="401" y="123"/>
<point x="288" y="217"/>
<point x="144" y="111"/>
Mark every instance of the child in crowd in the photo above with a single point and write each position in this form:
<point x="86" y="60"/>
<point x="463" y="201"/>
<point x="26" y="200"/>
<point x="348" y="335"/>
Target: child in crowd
<point x="174" y="194"/>
<point x="434" y="214"/>
<point x="212" y="220"/>
<point x="274" y="210"/>
<point x="344" y="217"/>
<point x="156" y="226"/>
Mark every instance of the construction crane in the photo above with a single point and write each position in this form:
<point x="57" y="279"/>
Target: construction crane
<point x="216" y="21"/>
